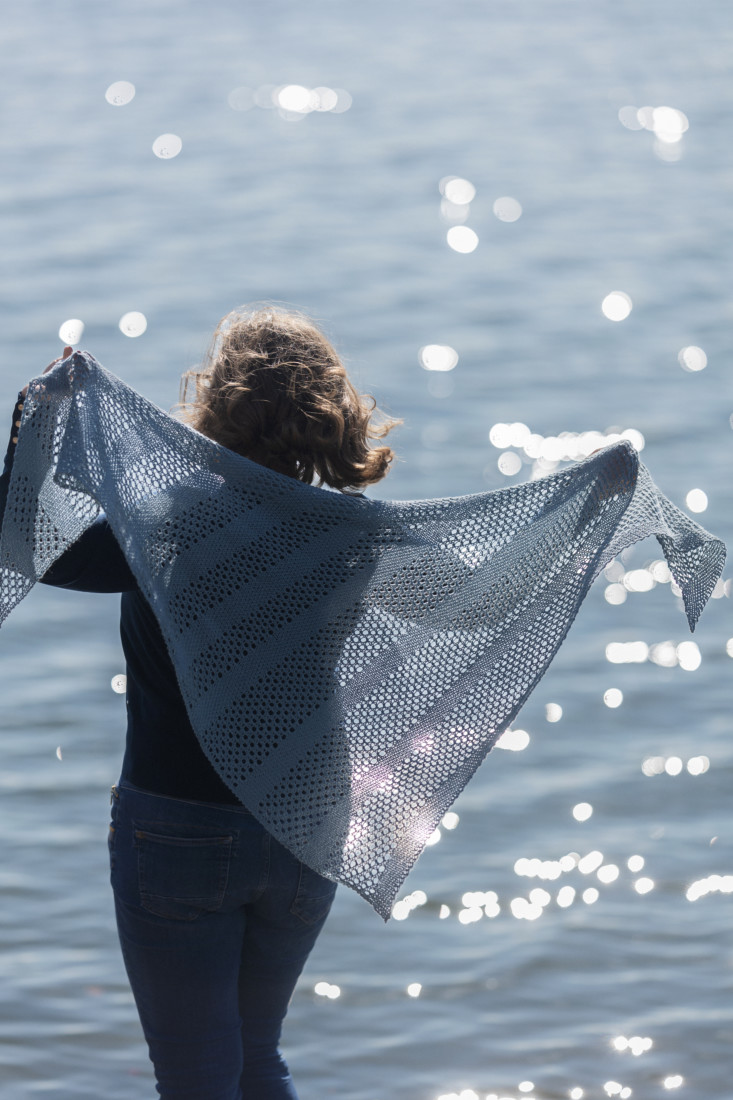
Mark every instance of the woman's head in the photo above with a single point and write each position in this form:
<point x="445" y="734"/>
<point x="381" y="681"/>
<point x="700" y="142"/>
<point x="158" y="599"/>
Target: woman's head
<point x="273" y="388"/>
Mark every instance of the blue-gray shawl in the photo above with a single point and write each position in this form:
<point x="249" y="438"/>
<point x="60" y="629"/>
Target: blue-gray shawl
<point x="346" y="663"/>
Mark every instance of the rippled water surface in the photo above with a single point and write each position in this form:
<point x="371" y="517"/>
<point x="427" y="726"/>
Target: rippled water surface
<point x="568" y="935"/>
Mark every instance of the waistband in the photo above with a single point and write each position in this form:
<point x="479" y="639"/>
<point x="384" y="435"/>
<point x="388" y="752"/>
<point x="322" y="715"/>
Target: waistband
<point x="221" y="807"/>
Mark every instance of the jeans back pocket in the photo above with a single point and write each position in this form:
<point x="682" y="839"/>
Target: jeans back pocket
<point x="181" y="874"/>
<point x="314" y="897"/>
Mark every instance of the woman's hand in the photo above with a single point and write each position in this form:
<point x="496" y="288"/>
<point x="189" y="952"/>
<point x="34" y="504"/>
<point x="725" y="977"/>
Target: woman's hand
<point x="67" y="353"/>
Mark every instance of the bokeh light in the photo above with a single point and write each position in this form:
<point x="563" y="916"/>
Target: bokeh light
<point x="167" y="146"/>
<point x="616" y="306"/>
<point x="241" y="99"/>
<point x="613" y="698"/>
<point x="120" y="93"/>
<point x="688" y="656"/>
<point x="697" y="500"/>
<point x="71" y="331"/>
<point x="507" y="209"/>
<point x="458" y="190"/>
<point x="509" y="463"/>
<point x="440" y="357"/>
<point x="327" y="989"/>
<point x="513" y="740"/>
<point x="461" y="238"/>
<point x="692" y="358"/>
<point x="629" y="117"/>
<point x="133" y="324"/>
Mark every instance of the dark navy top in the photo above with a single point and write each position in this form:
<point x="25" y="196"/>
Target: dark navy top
<point x="162" y="753"/>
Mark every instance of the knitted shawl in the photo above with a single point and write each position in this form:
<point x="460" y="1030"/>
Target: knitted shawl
<point x="346" y="663"/>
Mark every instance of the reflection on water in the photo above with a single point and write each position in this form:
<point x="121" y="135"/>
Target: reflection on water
<point x="133" y="323"/>
<point x="616" y="306"/>
<point x="120" y="93"/>
<point x="71" y="331"/>
<point x="167" y="146"/>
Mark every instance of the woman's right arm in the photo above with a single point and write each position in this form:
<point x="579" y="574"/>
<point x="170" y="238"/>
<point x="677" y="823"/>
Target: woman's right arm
<point x="95" y="562"/>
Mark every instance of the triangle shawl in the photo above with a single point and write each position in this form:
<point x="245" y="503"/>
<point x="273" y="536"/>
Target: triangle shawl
<point x="346" y="663"/>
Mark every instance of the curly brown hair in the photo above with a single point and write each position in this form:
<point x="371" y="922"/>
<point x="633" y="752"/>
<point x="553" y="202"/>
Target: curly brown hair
<point x="273" y="388"/>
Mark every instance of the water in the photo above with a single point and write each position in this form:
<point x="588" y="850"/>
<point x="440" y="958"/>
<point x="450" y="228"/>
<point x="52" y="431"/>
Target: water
<point x="339" y="213"/>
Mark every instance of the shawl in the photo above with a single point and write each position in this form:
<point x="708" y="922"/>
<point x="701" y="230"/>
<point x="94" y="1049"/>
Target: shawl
<point x="346" y="663"/>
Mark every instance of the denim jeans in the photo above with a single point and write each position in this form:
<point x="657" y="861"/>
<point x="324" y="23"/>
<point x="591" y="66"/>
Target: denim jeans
<point x="216" y="920"/>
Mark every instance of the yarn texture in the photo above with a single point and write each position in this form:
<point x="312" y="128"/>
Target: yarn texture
<point x="346" y="663"/>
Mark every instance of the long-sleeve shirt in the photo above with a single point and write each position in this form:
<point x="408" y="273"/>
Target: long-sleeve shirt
<point x="162" y="752"/>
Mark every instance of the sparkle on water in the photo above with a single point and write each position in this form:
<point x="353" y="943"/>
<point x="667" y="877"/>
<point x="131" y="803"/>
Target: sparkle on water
<point x="167" y="146"/>
<point x="326" y="989"/>
<point x="668" y="124"/>
<point x="692" y="358"/>
<point x="696" y="500"/>
<point x="440" y="357"/>
<point x="615" y="1088"/>
<point x="402" y="908"/>
<point x="71" y="331"/>
<point x="507" y="209"/>
<point x="513" y="740"/>
<point x="414" y="989"/>
<point x="119" y="683"/>
<point x="120" y="93"/>
<point x="133" y="324"/>
<point x="613" y="697"/>
<point x="619" y="653"/>
<point x="644" y="885"/>
<point x="722" y="884"/>
<point x="616" y="306"/>
<point x="293" y="101"/>
<point x="673" y="765"/>
<point x="553" y="712"/>
<point x="457" y="190"/>
<point x="546" y="452"/>
<point x="566" y="896"/>
<point x="455" y="213"/>
<point x="590" y="863"/>
<point x="462" y="239"/>
<point x="635" y="1044"/>
<point x="582" y="811"/>
<point x="509" y="463"/>
<point x="241" y="99"/>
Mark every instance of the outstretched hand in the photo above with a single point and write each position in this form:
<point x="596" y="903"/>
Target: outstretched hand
<point x="67" y="352"/>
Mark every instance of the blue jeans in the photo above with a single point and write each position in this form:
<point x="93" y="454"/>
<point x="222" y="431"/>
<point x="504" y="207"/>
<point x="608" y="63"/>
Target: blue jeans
<point x="216" y="920"/>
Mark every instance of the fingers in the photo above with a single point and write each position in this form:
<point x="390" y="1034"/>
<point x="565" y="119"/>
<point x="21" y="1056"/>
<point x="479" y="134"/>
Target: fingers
<point x="67" y="352"/>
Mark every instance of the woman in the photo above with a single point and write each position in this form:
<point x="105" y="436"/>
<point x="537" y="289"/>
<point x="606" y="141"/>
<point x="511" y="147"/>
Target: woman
<point x="215" y="918"/>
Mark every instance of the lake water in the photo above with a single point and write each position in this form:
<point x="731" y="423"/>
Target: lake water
<point x="339" y="213"/>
